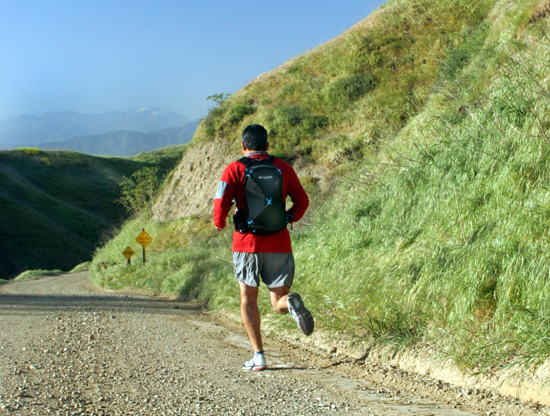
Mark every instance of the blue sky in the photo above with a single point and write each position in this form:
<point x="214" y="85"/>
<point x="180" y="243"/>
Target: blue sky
<point x="95" y="56"/>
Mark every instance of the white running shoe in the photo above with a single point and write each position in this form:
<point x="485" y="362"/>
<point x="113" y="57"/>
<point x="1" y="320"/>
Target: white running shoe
<point x="303" y="317"/>
<point x="257" y="363"/>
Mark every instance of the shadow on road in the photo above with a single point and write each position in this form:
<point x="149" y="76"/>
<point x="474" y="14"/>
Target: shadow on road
<point x="285" y="368"/>
<point x="32" y="304"/>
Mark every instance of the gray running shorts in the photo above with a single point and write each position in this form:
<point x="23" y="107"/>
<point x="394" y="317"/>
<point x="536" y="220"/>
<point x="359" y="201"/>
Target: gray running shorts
<point x="276" y="269"/>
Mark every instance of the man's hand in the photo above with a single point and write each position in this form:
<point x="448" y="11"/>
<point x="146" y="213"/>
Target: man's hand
<point x="221" y="227"/>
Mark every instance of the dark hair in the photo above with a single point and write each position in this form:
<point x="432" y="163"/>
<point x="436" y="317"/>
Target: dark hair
<point x="254" y="137"/>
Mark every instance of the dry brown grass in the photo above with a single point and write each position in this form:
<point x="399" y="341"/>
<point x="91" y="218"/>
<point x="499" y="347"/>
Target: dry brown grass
<point x="541" y="12"/>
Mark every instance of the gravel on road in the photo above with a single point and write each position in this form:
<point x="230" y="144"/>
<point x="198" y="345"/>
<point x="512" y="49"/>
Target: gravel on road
<point x="68" y="348"/>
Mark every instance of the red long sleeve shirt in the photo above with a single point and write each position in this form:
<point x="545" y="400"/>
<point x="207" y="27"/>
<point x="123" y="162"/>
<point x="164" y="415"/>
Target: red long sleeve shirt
<point x="231" y="188"/>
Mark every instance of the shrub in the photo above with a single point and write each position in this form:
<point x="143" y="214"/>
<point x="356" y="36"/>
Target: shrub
<point x="294" y="69"/>
<point x="31" y="151"/>
<point x="241" y="111"/>
<point x="289" y="116"/>
<point x="287" y="90"/>
<point x="291" y="122"/>
<point x="458" y="57"/>
<point x="138" y="191"/>
<point x="295" y="116"/>
<point x="215" y="114"/>
<point x="349" y="88"/>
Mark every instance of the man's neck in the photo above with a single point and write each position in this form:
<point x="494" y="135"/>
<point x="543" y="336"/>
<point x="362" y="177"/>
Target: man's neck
<point x="249" y="153"/>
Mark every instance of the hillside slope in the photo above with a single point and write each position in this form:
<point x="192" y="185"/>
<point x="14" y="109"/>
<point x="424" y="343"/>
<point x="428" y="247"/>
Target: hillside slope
<point x="342" y="100"/>
<point x="57" y="206"/>
<point x="432" y="122"/>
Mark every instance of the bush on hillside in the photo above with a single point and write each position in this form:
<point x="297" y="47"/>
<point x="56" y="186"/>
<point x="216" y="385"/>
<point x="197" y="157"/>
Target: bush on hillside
<point x="295" y="121"/>
<point x="31" y="151"/>
<point x="139" y="191"/>
<point x="349" y="88"/>
<point x="459" y="56"/>
<point x="215" y="114"/>
<point x="239" y="112"/>
<point x="288" y="125"/>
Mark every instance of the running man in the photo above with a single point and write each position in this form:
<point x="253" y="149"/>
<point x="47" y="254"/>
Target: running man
<point x="266" y="255"/>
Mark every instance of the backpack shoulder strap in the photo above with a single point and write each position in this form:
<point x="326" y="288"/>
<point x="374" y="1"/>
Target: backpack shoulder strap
<point x="245" y="161"/>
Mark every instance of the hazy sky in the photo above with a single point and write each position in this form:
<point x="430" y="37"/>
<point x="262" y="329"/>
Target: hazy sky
<point x="93" y="56"/>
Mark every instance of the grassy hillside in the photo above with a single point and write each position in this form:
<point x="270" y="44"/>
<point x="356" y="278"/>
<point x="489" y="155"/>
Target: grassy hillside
<point x="56" y="206"/>
<point x="434" y="115"/>
<point x="344" y="98"/>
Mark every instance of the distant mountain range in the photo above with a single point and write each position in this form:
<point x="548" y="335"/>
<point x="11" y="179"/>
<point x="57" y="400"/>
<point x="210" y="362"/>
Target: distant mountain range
<point x="40" y="129"/>
<point x="126" y="143"/>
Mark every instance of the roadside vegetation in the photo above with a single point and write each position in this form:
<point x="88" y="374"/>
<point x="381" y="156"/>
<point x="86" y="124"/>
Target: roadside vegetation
<point x="35" y="274"/>
<point x="186" y="257"/>
<point x="435" y="120"/>
<point x="57" y="206"/>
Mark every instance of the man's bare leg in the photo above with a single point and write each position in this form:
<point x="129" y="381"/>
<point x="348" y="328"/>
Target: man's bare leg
<point x="278" y="297"/>
<point x="280" y="300"/>
<point x="251" y="315"/>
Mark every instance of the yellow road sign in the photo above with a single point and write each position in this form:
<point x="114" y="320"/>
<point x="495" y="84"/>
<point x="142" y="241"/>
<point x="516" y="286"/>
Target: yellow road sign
<point x="144" y="239"/>
<point x="128" y="252"/>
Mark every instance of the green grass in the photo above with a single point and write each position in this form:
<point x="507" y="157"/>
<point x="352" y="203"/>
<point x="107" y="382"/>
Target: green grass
<point x="442" y="237"/>
<point x="165" y="159"/>
<point x="186" y="257"/>
<point x="35" y="274"/>
<point x="435" y="118"/>
<point x="81" y="267"/>
<point x="57" y="206"/>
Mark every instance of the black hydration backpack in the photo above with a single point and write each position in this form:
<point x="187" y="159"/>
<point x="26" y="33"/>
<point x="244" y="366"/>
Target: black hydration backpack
<point x="265" y="211"/>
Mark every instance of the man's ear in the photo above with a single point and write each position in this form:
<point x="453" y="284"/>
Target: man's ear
<point x="267" y="146"/>
<point x="244" y="147"/>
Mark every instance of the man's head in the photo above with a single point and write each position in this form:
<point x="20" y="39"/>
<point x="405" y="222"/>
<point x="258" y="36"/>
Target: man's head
<point x="254" y="137"/>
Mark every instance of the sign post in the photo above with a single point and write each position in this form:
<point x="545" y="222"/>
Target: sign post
<point x="128" y="253"/>
<point x="143" y="240"/>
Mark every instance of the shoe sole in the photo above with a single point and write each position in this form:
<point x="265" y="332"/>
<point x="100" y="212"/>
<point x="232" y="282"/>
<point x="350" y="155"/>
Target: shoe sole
<point x="303" y="317"/>
<point x="259" y="368"/>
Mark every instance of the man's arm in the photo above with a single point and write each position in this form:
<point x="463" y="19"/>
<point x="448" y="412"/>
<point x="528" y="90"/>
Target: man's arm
<point x="300" y="200"/>
<point x="224" y="197"/>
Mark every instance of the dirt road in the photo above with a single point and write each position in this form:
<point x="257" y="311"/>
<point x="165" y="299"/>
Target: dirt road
<point x="68" y="348"/>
